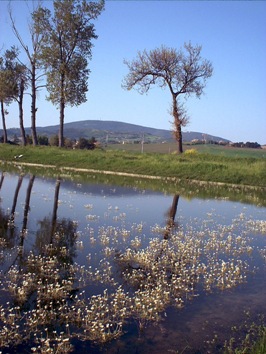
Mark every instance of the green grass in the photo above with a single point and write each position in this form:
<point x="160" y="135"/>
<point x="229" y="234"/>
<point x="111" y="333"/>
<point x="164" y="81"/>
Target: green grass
<point x="169" y="148"/>
<point x="253" y="343"/>
<point x="199" y="166"/>
<point x="259" y="347"/>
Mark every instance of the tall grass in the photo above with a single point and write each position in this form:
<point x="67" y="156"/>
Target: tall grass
<point x="253" y="343"/>
<point x="200" y="166"/>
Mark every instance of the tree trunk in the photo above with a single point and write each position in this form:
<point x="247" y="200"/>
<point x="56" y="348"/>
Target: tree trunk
<point x="61" y="125"/>
<point x="33" y="106"/>
<point x="177" y="125"/>
<point x="62" y="112"/>
<point x="3" y="122"/>
<point x="20" y="105"/>
<point x="179" y="138"/>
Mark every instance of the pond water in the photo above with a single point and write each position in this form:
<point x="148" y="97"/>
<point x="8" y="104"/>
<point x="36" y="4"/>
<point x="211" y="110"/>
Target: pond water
<point x="97" y="268"/>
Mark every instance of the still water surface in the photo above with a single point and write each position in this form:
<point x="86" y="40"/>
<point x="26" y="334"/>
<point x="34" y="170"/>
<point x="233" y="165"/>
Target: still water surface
<point x="110" y="231"/>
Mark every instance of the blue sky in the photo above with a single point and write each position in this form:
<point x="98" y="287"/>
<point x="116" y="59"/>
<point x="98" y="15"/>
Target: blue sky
<point x="232" y="35"/>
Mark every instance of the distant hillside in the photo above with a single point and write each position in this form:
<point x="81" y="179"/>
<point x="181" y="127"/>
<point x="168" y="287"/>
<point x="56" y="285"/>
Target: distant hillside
<point x="113" y="131"/>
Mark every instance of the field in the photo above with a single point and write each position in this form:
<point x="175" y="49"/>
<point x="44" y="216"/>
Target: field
<point x="168" y="148"/>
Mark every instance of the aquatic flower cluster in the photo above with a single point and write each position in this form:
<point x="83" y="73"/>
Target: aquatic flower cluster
<point x="102" y="316"/>
<point x="170" y="271"/>
<point x="53" y="299"/>
<point x="44" y="274"/>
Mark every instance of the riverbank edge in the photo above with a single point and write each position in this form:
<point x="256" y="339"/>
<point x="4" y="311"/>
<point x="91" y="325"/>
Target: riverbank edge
<point x="137" y="175"/>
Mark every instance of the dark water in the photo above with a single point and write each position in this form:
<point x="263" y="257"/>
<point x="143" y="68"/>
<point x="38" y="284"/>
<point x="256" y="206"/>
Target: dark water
<point x="99" y="222"/>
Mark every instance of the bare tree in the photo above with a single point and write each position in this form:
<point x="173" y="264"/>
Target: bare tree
<point x="33" y="70"/>
<point x="184" y="72"/>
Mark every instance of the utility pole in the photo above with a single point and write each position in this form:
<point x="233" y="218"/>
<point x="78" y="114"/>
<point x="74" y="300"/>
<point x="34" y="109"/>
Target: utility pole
<point x="142" y="144"/>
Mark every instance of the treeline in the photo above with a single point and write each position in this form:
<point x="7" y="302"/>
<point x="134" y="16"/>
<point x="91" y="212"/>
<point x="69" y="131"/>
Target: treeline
<point x="247" y="145"/>
<point x="81" y="143"/>
<point x="225" y="143"/>
<point x="57" y="49"/>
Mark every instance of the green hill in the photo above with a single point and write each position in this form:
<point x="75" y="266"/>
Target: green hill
<point x="113" y="131"/>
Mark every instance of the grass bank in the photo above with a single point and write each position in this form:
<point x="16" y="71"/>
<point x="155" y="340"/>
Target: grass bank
<point x="189" y="166"/>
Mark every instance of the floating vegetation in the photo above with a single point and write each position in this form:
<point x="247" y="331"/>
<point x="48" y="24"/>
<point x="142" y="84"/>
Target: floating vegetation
<point x="131" y="273"/>
<point x="166" y="272"/>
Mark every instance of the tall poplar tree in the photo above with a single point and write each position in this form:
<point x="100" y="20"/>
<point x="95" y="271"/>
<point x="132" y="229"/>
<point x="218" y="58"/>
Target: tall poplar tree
<point x="67" y="36"/>
<point x="33" y="68"/>
<point x="7" y="89"/>
<point x="13" y="82"/>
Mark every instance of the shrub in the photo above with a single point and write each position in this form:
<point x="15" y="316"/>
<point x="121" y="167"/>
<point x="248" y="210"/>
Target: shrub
<point x="54" y="140"/>
<point x="43" y="140"/>
<point x="191" y="152"/>
<point x="86" y="144"/>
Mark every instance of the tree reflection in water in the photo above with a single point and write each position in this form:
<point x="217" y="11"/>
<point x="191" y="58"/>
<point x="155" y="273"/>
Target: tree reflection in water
<point x="8" y="235"/>
<point x="8" y="231"/>
<point x="57" y="234"/>
<point x="42" y="282"/>
<point x="171" y="217"/>
<point x="15" y="199"/>
<point x="19" y="257"/>
<point x="2" y="179"/>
